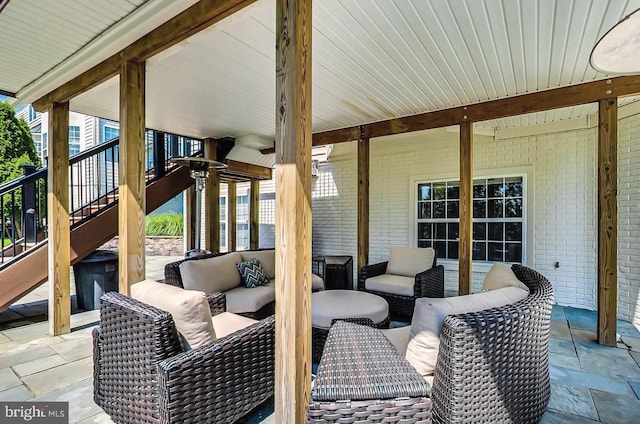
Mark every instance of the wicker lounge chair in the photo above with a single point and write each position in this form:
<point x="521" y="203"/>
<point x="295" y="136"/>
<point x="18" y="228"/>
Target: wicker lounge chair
<point x="142" y="374"/>
<point x="428" y="282"/>
<point x="492" y="367"/>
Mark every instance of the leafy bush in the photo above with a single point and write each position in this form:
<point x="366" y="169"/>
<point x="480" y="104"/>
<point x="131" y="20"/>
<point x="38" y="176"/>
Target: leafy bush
<point x="166" y="224"/>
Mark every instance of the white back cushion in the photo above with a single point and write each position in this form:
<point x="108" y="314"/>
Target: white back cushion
<point x="189" y="309"/>
<point x="211" y="275"/>
<point x="409" y="261"/>
<point x="267" y="259"/>
<point x="429" y="315"/>
<point x="499" y="276"/>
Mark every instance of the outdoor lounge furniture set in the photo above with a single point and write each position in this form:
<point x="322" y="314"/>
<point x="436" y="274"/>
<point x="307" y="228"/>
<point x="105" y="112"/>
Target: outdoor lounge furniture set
<point x="168" y="355"/>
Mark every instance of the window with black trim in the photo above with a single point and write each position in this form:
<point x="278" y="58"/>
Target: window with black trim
<point x="498" y="218"/>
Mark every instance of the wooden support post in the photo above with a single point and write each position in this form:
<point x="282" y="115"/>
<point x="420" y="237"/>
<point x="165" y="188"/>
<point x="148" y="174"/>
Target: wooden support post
<point x="293" y="210"/>
<point x="131" y="204"/>
<point x="190" y="218"/>
<point x="465" y="245"/>
<point x="59" y="250"/>
<point x="363" y="203"/>
<point x="254" y="215"/>
<point x="607" y="221"/>
<point x="212" y="200"/>
<point x="231" y="215"/>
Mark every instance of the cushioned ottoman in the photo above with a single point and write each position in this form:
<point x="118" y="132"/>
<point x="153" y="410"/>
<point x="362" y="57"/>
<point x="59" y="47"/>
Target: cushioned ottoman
<point x="346" y="305"/>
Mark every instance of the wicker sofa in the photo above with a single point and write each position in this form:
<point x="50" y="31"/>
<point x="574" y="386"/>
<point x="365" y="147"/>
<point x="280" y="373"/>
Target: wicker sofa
<point x="143" y="373"/>
<point x="492" y="367"/>
<point x="409" y="274"/>
<point x="216" y="272"/>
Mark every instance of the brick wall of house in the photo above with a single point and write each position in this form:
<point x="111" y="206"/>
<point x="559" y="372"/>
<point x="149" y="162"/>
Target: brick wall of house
<point x="561" y="227"/>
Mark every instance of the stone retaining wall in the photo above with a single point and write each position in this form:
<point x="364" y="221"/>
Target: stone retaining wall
<point x="155" y="246"/>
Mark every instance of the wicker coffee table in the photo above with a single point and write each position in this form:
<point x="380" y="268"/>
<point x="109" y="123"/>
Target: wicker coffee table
<point x="344" y="305"/>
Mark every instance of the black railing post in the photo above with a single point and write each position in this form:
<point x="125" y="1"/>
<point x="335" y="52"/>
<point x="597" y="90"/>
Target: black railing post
<point x="175" y="149"/>
<point x="159" y="169"/>
<point x="29" y="227"/>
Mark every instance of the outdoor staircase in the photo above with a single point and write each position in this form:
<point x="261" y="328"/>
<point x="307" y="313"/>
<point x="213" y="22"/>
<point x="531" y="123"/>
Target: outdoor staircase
<point x="93" y="221"/>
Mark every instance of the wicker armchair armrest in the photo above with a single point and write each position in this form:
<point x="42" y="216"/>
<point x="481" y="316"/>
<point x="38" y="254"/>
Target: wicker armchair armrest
<point x="369" y="271"/>
<point x="217" y="303"/>
<point x="430" y="283"/>
<point x="209" y="383"/>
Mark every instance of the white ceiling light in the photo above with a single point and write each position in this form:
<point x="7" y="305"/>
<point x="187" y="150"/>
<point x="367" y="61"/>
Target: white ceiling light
<point x="618" y="51"/>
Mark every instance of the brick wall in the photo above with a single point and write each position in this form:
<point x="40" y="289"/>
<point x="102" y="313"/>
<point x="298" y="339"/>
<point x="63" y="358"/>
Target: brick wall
<point x="561" y="225"/>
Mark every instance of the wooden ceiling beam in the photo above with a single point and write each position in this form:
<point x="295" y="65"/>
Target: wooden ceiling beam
<point x="494" y="109"/>
<point x="191" y="21"/>
<point x="246" y="171"/>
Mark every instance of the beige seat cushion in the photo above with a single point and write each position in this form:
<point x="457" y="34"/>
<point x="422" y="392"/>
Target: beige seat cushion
<point x="227" y="323"/>
<point x="189" y="309"/>
<point x="409" y="261"/>
<point x="429" y="315"/>
<point x="335" y="304"/>
<point x="394" y="284"/>
<point x="217" y="274"/>
<point x="499" y="276"/>
<point x="267" y="259"/>
<point x="317" y="283"/>
<point x="242" y="299"/>
<point x="399" y="337"/>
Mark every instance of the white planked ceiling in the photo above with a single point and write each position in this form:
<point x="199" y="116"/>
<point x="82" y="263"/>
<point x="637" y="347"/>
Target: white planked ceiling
<point x="374" y="60"/>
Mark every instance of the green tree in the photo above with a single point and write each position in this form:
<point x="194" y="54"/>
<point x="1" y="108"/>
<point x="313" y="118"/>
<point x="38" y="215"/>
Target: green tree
<point x="16" y="149"/>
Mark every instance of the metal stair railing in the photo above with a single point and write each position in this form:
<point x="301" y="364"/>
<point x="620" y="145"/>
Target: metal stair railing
<point x="93" y="187"/>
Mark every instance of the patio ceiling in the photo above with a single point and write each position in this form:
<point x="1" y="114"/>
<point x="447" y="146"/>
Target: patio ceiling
<point x="372" y="60"/>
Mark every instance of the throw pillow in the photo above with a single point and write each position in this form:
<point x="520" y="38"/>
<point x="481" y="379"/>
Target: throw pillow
<point x="500" y="276"/>
<point x="252" y="273"/>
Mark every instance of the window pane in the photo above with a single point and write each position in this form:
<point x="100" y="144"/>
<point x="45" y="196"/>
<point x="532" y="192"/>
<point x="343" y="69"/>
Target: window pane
<point x="513" y="208"/>
<point x="513" y="231"/>
<point x="439" y="191"/>
<point x="424" y="243"/>
<point x="479" y="251"/>
<point x="495" y="231"/>
<point x="424" y="191"/>
<point x="454" y="231"/>
<point x="479" y="231"/>
<point x="479" y="208"/>
<point x="424" y="230"/>
<point x="441" y="248"/>
<point x="514" y="252"/>
<point x="438" y="209"/>
<point x="513" y="186"/>
<point x="479" y="189"/>
<point x="495" y="208"/>
<point x="452" y="252"/>
<point x="453" y="190"/>
<point x="495" y="252"/>
<point x="424" y="210"/>
<point x="441" y="231"/>
<point x="496" y="187"/>
<point x="452" y="209"/>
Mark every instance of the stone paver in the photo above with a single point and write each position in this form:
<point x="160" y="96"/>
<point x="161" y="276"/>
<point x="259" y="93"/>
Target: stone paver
<point x="565" y="361"/>
<point x="4" y="339"/>
<point x="614" y="363"/>
<point x="635" y="385"/>
<point x="633" y="343"/>
<point x="560" y="330"/>
<point x="581" y="319"/>
<point x="614" y="409"/>
<point x="27" y="332"/>
<point x="38" y="365"/>
<point x="563" y="347"/>
<point x="101" y="418"/>
<point x="574" y="400"/>
<point x="59" y="377"/>
<point x="557" y="417"/>
<point x="16" y="394"/>
<point x="8" y="379"/>
<point x="80" y="398"/>
<point x="22" y="356"/>
<point x="589" y="380"/>
<point x="73" y="350"/>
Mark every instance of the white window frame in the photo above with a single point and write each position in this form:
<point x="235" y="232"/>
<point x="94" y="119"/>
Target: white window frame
<point x="527" y="174"/>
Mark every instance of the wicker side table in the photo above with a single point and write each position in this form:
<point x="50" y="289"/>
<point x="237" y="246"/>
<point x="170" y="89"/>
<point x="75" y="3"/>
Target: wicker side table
<point x="338" y="272"/>
<point x="362" y="378"/>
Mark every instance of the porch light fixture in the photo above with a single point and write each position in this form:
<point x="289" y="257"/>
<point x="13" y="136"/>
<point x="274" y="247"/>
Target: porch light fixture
<point x="618" y="51"/>
<point x="199" y="171"/>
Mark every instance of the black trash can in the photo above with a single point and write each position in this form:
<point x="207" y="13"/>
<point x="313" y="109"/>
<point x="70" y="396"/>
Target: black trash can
<point x="95" y="275"/>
